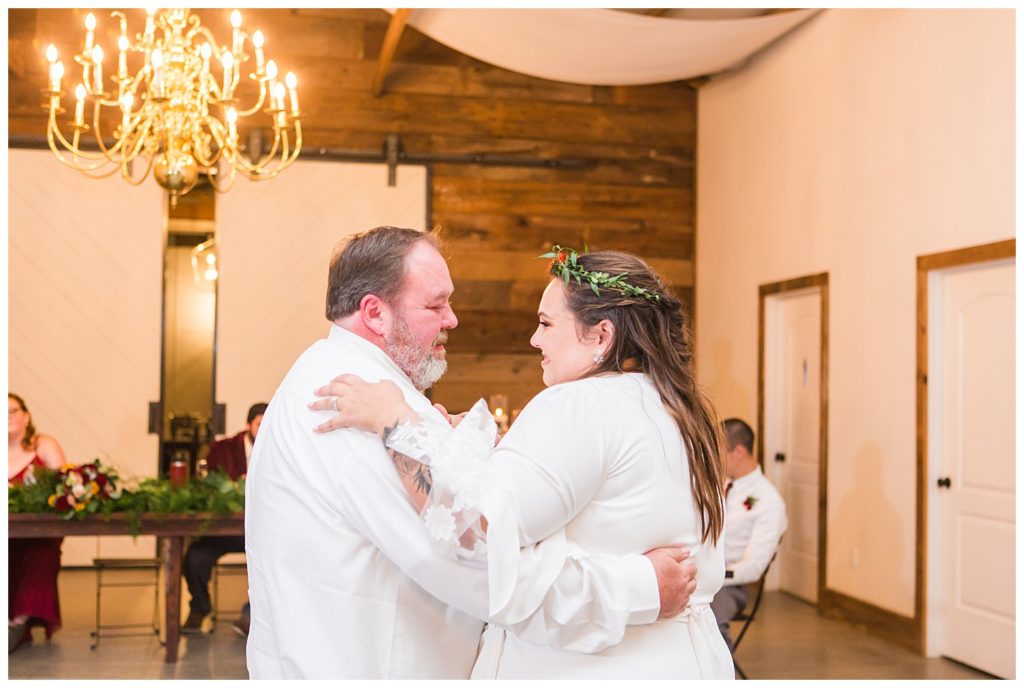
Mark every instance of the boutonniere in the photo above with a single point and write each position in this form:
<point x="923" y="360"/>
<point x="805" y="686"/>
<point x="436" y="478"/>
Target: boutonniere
<point x="749" y="502"/>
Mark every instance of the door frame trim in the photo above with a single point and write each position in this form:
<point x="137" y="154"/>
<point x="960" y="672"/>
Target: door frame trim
<point x="926" y="264"/>
<point x="819" y="280"/>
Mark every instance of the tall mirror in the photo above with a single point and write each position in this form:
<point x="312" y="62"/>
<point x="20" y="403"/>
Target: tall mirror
<point x="189" y="330"/>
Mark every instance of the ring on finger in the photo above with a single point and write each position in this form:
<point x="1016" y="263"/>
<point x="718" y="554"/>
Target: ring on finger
<point x="336" y="405"/>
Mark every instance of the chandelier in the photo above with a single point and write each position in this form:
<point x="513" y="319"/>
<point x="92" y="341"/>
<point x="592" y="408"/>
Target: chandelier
<point x="177" y="112"/>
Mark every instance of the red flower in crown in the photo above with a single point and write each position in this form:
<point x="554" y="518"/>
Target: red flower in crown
<point x="749" y="502"/>
<point x="560" y="258"/>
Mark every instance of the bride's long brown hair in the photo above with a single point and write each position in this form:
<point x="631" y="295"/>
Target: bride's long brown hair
<point x="653" y="336"/>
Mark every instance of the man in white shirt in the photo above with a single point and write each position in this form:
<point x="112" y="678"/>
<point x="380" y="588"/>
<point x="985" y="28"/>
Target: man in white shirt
<point x="755" y="519"/>
<point x="343" y="580"/>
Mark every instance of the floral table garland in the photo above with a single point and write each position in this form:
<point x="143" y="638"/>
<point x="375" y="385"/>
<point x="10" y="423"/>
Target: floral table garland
<point x="78" y="492"/>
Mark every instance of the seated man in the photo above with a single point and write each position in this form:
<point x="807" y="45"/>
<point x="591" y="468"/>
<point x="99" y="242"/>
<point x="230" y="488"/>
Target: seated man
<point x="755" y="519"/>
<point x="230" y="455"/>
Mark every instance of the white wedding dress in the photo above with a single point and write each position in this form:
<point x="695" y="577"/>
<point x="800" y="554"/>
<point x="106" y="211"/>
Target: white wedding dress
<point x="595" y="466"/>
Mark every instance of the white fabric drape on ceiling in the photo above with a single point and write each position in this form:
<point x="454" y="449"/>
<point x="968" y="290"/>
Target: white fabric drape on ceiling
<point x="602" y="47"/>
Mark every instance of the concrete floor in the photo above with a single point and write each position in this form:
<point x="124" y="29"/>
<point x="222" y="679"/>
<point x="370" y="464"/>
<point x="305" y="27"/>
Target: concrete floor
<point x="787" y="641"/>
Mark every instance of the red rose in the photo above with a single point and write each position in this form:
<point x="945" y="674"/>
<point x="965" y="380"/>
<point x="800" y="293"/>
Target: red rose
<point x="62" y="504"/>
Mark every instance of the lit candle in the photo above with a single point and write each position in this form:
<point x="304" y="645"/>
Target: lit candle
<point x="51" y="53"/>
<point x="56" y="73"/>
<point x="236" y="32"/>
<point x="257" y="43"/>
<point x="205" y="51"/>
<point x="126" y="111"/>
<point x="157" y="61"/>
<point x="292" y="95"/>
<point x="271" y="76"/>
<point x="122" y="57"/>
<point x="97" y="60"/>
<point x="232" y="123"/>
<point x="279" y="96"/>
<point x="227" y="61"/>
<point x="90" y="26"/>
<point x="150" y="11"/>
<point x="79" y="105"/>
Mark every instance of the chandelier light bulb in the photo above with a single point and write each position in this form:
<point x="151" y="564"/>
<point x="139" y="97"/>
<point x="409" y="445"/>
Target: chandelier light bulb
<point x="157" y="58"/>
<point x="123" y="44"/>
<point x="211" y="259"/>
<point x="58" y="70"/>
<point x="232" y="115"/>
<point x="291" y="81"/>
<point x="51" y="53"/>
<point x="79" y="92"/>
<point x="227" y="60"/>
<point x="210" y="274"/>
<point x="90" y="22"/>
<point x="257" y="39"/>
<point x="206" y="51"/>
<point x="271" y="70"/>
<point x="97" y="55"/>
<point x="279" y="92"/>
<point x="151" y="11"/>
<point x="236" y="19"/>
<point x="127" y="101"/>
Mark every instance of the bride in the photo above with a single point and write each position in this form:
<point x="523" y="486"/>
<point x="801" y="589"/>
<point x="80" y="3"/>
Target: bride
<point x="620" y="454"/>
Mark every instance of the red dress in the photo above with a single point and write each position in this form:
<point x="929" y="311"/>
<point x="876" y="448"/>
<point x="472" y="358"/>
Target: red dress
<point x="32" y="568"/>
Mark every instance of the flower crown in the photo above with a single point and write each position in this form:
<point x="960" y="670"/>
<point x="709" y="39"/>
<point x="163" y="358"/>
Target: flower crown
<point x="564" y="265"/>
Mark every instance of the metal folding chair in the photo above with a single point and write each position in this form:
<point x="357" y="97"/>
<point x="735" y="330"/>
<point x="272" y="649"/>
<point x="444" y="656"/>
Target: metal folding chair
<point x="102" y="565"/>
<point x="747" y="617"/>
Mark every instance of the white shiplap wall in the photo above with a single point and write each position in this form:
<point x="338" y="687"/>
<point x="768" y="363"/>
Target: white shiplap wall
<point x="85" y="259"/>
<point x="275" y="241"/>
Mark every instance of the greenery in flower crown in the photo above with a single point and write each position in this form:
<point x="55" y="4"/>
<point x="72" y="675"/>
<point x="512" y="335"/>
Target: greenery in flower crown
<point x="564" y="265"/>
<point x="46" y="491"/>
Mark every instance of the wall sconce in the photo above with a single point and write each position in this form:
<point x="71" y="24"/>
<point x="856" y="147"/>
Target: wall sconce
<point x="204" y="262"/>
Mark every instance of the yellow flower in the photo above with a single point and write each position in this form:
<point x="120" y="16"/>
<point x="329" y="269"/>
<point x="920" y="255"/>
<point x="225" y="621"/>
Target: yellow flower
<point x="94" y="488"/>
<point x="52" y="500"/>
<point x="79" y="506"/>
<point x="67" y="467"/>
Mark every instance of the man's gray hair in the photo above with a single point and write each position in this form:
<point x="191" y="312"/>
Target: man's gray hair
<point x="372" y="262"/>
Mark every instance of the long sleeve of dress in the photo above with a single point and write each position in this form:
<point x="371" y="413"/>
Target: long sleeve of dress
<point x="546" y="469"/>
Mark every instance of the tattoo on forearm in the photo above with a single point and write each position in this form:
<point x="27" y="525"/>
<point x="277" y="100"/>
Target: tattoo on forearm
<point x="406" y="467"/>
<point x="418" y="472"/>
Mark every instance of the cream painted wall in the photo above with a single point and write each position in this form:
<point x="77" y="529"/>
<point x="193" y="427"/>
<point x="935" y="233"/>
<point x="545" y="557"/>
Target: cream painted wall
<point x="275" y="241"/>
<point x="84" y="321"/>
<point x="864" y="139"/>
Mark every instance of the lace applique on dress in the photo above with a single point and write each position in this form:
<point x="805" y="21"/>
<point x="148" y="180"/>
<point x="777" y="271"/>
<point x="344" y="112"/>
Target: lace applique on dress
<point x="459" y="461"/>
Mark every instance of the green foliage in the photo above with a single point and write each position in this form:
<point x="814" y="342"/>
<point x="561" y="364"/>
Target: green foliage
<point x="214" y="494"/>
<point x="564" y="265"/>
<point x="31" y="498"/>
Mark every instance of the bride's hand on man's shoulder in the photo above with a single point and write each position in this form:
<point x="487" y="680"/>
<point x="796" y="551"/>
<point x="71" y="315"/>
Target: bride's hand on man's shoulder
<point x="369" y="406"/>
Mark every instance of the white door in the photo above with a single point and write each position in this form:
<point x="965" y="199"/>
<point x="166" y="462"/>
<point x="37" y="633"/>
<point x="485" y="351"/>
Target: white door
<point x="792" y="422"/>
<point x="971" y="439"/>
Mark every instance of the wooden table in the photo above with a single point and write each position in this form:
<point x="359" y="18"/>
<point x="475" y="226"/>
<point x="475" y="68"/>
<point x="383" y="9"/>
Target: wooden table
<point x="172" y="528"/>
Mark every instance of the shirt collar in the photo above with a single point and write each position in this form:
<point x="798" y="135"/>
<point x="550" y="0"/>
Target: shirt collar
<point x="339" y="336"/>
<point x="748" y="480"/>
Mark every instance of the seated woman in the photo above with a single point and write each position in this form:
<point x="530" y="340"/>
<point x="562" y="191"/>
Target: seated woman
<point x="33" y="563"/>
<point x="621" y="453"/>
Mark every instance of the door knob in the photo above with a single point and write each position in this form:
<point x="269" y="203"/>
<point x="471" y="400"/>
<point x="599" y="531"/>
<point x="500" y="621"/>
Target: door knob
<point x="780" y="457"/>
<point x="944" y="482"/>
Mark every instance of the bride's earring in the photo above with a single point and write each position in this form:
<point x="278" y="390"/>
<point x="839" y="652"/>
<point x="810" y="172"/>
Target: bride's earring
<point x="599" y="357"/>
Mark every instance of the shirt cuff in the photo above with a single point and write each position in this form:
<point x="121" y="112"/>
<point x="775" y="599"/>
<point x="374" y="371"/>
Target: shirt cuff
<point x="644" y="598"/>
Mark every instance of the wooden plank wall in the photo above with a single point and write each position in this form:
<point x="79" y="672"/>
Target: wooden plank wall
<point x="637" y="194"/>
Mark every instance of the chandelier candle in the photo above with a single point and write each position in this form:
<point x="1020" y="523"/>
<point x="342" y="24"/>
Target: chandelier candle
<point x="186" y="120"/>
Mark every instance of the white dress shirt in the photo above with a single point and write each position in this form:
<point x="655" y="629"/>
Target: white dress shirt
<point x="755" y="520"/>
<point x="340" y="563"/>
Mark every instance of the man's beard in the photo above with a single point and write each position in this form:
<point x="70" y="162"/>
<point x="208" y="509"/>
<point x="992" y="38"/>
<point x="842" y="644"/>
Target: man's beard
<point x="419" y="363"/>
